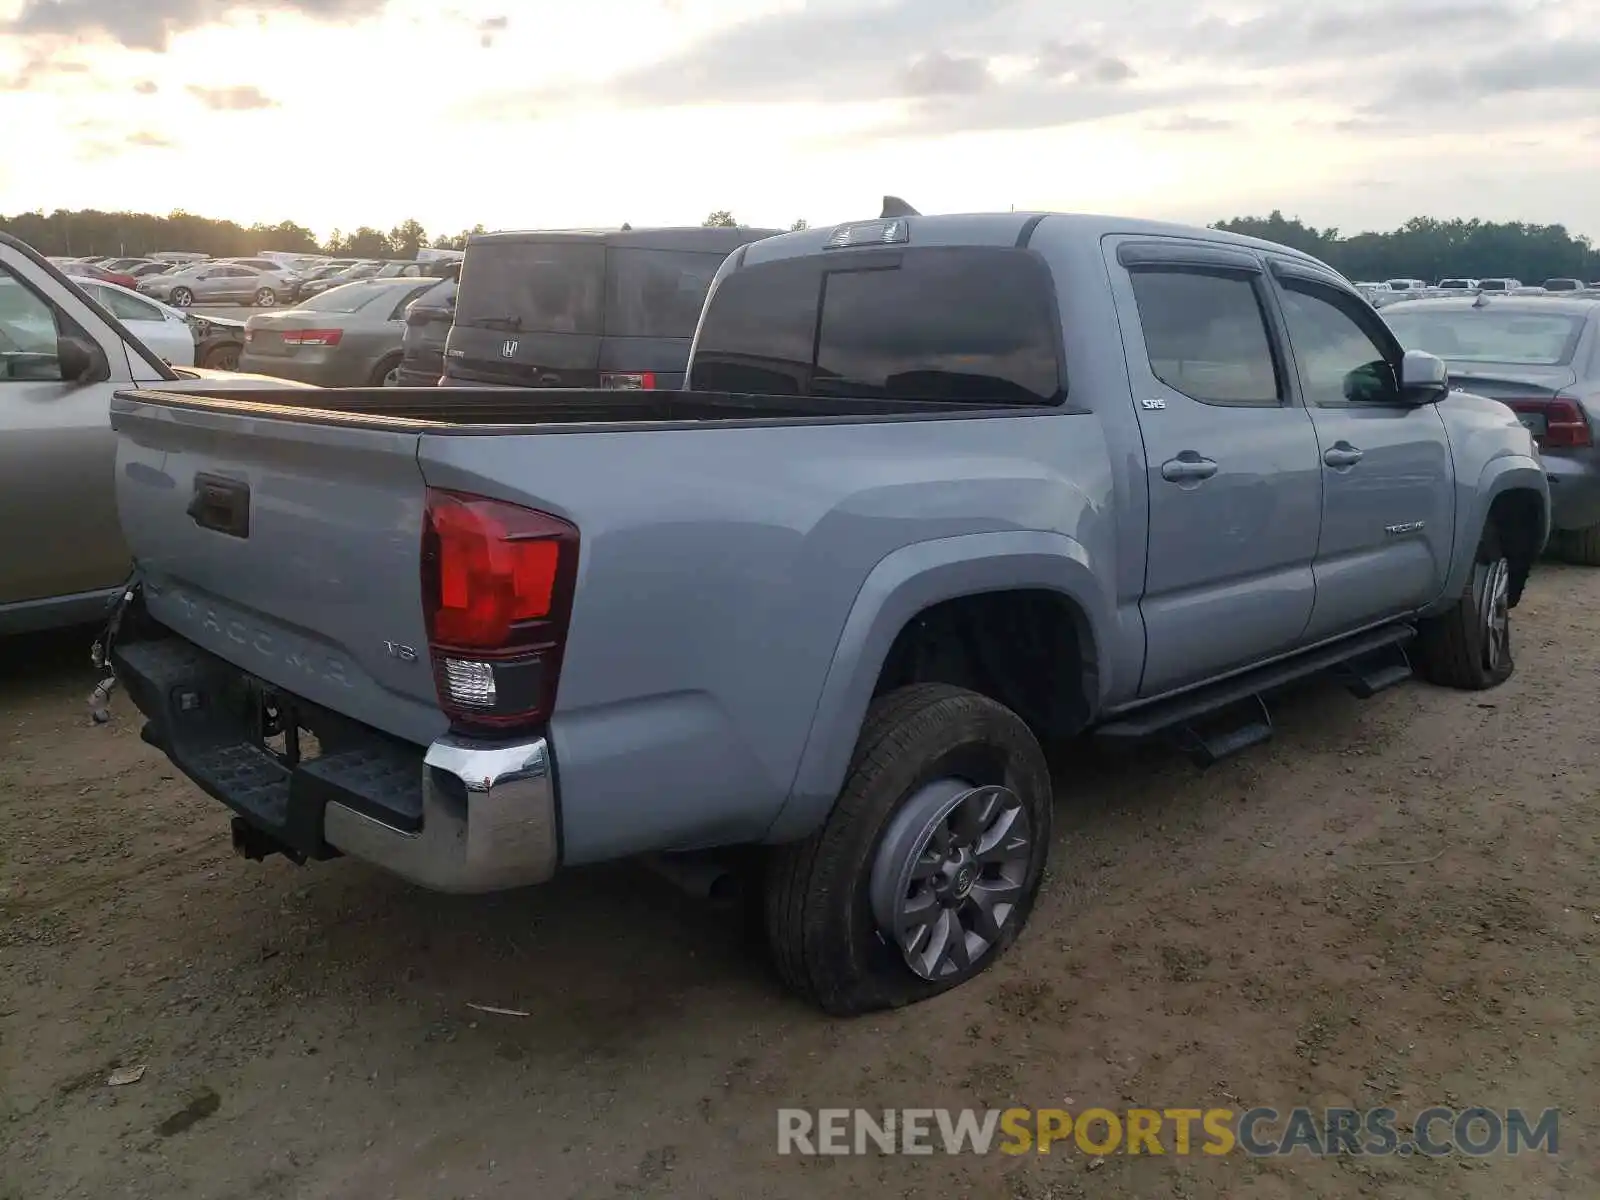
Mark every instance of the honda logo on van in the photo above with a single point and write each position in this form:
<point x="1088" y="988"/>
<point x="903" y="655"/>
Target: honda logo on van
<point x="508" y="348"/>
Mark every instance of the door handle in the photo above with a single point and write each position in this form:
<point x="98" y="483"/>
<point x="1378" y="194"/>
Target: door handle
<point x="1187" y="467"/>
<point x="1342" y="454"/>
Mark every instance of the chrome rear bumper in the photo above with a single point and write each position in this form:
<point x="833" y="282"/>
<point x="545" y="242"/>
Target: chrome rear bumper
<point x="488" y="820"/>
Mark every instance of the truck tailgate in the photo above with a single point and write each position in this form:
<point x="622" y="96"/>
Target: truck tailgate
<point x="291" y="549"/>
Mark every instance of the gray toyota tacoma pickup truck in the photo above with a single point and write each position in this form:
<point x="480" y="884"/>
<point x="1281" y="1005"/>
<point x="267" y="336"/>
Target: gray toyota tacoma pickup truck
<point x="938" y="489"/>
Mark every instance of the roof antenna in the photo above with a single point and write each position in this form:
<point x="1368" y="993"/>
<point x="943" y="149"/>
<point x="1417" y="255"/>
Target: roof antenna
<point x="626" y="227"/>
<point x="893" y="206"/>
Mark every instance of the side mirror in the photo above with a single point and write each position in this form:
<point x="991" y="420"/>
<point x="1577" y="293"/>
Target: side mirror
<point x="81" y="360"/>
<point x="1424" y="378"/>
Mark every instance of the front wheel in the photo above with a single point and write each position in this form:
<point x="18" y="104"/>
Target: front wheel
<point x="224" y="357"/>
<point x="929" y="864"/>
<point x="266" y="298"/>
<point x="1469" y="646"/>
<point x="182" y="297"/>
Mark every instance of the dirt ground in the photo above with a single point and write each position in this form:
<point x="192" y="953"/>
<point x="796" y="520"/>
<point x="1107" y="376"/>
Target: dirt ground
<point x="1393" y="903"/>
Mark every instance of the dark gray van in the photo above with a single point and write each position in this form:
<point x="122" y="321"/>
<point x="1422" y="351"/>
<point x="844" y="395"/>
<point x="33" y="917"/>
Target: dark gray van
<point x="428" y="320"/>
<point x="584" y="308"/>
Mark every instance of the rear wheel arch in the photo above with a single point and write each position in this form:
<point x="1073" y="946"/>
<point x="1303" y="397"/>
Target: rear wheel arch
<point x="949" y="579"/>
<point x="1022" y="647"/>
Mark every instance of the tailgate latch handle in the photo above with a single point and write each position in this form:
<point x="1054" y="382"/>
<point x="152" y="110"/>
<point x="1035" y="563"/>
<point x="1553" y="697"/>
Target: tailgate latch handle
<point x="221" y="504"/>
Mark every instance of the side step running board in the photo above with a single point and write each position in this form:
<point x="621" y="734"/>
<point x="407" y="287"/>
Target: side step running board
<point x="1235" y="728"/>
<point x="1226" y="717"/>
<point x="1375" y="672"/>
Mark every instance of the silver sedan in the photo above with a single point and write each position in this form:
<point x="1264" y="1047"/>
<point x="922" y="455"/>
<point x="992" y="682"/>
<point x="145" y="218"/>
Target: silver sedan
<point x="213" y="283"/>
<point x="1540" y="355"/>
<point x="346" y="337"/>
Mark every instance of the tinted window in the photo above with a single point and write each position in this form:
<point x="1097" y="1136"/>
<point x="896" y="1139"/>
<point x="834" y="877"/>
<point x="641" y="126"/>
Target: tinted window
<point x="1337" y="358"/>
<point x="760" y="330"/>
<point x="948" y="324"/>
<point x="1206" y="335"/>
<point x="1490" y="334"/>
<point x="533" y="287"/>
<point x="657" y="293"/>
<point x="969" y="324"/>
<point x="406" y="297"/>
<point x="439" y="295"/>
<point x="28" y="332"/>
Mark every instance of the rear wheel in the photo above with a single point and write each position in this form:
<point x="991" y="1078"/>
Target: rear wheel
<point x="387" y="372"/>
<point x="1469" y="646"/>
<point x="927" y="867"/>
<point x="1581" y="546"/>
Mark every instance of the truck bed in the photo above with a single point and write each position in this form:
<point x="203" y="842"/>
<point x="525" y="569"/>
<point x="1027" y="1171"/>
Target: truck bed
<point x="500" y="410"/>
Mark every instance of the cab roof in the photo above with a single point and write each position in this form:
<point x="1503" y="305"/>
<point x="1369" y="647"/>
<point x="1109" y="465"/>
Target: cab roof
<point x="679" y="237"/>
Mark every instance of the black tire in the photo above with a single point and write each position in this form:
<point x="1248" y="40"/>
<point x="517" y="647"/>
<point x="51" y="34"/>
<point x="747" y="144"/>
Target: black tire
<point x="222" y="357"/>
<point x="1580" y="546"/>
<point x="382" y="370"/>
<point x="182" y="297"/>
<point x="824" y="939"/>
<point x="1455" y="649"/>
<point x="266" y="298"/>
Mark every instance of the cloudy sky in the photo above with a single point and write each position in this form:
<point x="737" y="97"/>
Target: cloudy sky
<point x="1354" y="113"/>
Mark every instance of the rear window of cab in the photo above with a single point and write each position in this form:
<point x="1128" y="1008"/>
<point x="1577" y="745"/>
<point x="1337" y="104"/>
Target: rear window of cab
<point x="964" y="324"/>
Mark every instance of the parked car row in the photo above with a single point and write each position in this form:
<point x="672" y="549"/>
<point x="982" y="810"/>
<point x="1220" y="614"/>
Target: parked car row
<point x="563" y="308"/>
<point x="1392" y="291"/>
<point x="542" y="308"/>
<point x="260" y="281"/>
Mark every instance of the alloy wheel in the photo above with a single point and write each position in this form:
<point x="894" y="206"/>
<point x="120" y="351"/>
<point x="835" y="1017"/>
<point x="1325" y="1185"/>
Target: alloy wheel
<point x="950" y="873"/>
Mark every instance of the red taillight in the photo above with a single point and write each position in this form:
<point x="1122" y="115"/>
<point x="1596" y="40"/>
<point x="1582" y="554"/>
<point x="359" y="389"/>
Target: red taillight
<point x="312" y="337"/>
<point x="1558" y="422"/>
<point x="497" y="593"/>
<point x="628" y="381"/>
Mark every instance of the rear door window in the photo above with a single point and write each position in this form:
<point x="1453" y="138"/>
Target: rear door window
<point x="657" y="293"/>
<point x="533" y="287"/>
<point x="963" y="324"/>
<point x="1206" y="335"/>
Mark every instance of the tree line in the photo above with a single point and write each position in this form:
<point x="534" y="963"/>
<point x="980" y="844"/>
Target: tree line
<point x="1430" y="249"/>
<point x="87" y="232"/>
<point x="1423" y="247"/>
